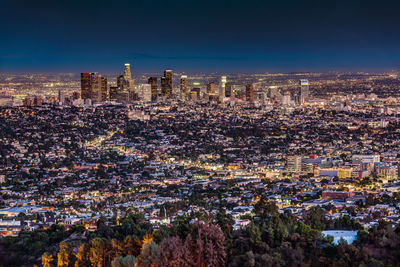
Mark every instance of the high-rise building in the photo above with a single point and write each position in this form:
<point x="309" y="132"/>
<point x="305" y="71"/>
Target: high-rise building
<point x="228" y="90"/>
<point x="93" y="86"/>
<point x="195" y="93"/>
<point x="222" y="85"/>
<point x="210" y="88"/>
<point x="61" y="96"/>
<point x="114" y="91"/>
<point x="273" y="93"/>
<point x="293" y="163"/>
<point x="183" y="87"/>
<point x="86" y="86"/>
<point x="285" y="99"/>
<point x="28" y="101"/>
<point x="96" y="93"/>
<point x="144" y="92"/>
<point x="127" y="71"/>
<point x="37" y="101"/>
<point x="250" y="93"/>
<point x="154" y="88"/>
<point x="166" y="84"/>
<point x="126" y="83"/>
<point x="304" y="91"/>
<point x="104" y="89"/>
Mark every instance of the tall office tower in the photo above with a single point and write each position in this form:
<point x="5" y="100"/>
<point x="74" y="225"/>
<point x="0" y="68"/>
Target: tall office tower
<point x="228" y="90"/>
<point x="86" y="85"/>
<point x="222" y="85"/>
<point x="293" y="163"/>
<point x="114" y="90"/>
<point x="144" y="92"/>
<point x="96" y="81"/>
<point x="184" y="87"/>
<point x="210" y="88"/>
<point x="126" y="84"/>
<point x="195" y="93"/>
<point x="285" y="99"/>
<point x="61" y="96"/>
<point x="28" y="101"/>
<point x="166" y="84"/>
<point x="93" y="86"/>
<point x="154" y="88"/>
<point x="104" y="89"/>
<point x="163" y="82"/>
<point x="37" y="101"/>
<point x="127" y="71"/>
<point x="250" y="92"/>
<point x="273" y="93"/>
<point x="304" y="91"/>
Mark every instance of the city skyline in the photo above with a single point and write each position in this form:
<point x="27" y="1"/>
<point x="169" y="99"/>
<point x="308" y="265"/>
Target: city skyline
<point x="208" y="36"/>
<point x="140" y="133"/>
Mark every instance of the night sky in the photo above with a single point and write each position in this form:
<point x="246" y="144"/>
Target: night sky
<point x="199" y="36"/>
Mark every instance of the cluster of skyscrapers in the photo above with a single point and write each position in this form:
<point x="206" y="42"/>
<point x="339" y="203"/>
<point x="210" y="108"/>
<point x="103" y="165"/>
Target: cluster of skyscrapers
<point x="94" y="88"/>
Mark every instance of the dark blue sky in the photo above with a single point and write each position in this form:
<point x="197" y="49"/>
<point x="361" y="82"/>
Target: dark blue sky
<point x="199" y="36"/>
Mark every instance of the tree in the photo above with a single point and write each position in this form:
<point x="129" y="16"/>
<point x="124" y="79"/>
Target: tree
<point x="47" y="259"/>
<point x="254" y="233"/>
<point x="97" y="252"/>
<point x="82" y="256"/>
<point x="64" y="255"/>
<point x="116" y="250"/>
<point x="132" y="245"/>
<point x="208" y="248"/>
<point x="225" y="222"/>
<point x="150" y="255"/>
<point x="128" y="261"/>
<point x="147" y="238"/>
<point x="264" y="209"/>
<point x="172" y="252"/>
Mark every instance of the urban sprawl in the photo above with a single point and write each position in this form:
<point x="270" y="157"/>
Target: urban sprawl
<point x="87" y="153"/>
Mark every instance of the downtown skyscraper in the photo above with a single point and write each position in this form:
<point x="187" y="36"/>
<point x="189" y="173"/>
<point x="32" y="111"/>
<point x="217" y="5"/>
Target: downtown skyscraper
<point x="183" y="87"/>
<point x="154" y="88"/>
<point x="304" y="91"/>
<point x="126" y="84"/>
<point x="93" y="87"/>
<point x="166" y="84"/>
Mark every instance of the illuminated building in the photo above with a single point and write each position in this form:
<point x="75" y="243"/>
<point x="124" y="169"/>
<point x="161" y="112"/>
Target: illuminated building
<point x="61" y="96"/>
<point x="154" y="88"/>
<point x="228" y="90"/>
<point x="127" y="71"/>
<point x="104" y="89"/>
<point x="183" y="87"/>
<point x="222" y="92"/>
<point x="210" y="88"/>
<point x="304" y="91"/>
<point x="195" y="93"/>
<point x="37" y="101"/>
<point x="93" y="87"/>
<point x="286" y="99"/>
<point x="250" y="93"/>
<point x="114" y="90"/>
<point x="144" y="92"/>
<point x="293" y="163"/>
<point x="126" y="84"/>
<point x="86" y="86"/>
<point x="28" y="101"/>
<point x="166" y="84"/>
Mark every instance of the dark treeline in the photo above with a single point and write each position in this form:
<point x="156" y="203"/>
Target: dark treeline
<point x="271" y="239"/>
